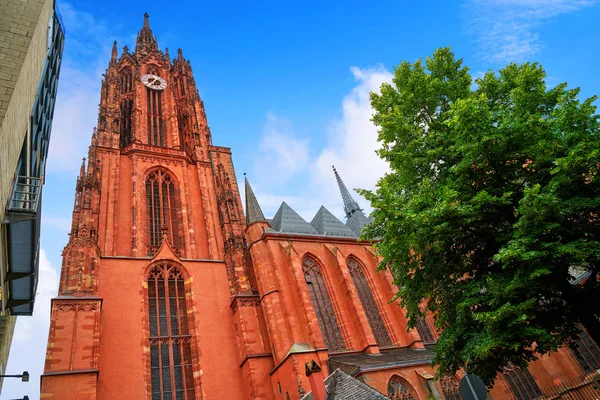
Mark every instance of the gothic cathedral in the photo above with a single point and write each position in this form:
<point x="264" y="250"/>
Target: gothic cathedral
<point x="169" y="291"/>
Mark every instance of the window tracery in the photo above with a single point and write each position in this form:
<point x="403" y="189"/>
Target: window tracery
<point x="322" y="305"/>
<point x="399" y="389"/>
<point x="368" y="303"/>
<point x="163" y="211"/>
<point x="450" y="388"/>
<point x="171" y="371"/>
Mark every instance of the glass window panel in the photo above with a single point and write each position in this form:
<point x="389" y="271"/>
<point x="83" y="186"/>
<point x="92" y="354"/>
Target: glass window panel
<point x="322" y="305"/>
<point x="161" y="289"/>
<point x="153" y="326"/>
<point x="368" y="303"/>
<point x="171" y="360"/>
<point x="424" y="331"/>
<point x="522" y="384"/>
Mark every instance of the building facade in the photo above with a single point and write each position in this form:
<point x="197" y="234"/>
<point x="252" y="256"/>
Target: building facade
<point x="31" y="43"/>
<point x="169" y="291"/>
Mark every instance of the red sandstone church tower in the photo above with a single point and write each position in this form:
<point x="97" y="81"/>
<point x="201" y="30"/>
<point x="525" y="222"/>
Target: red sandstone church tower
<point x="168" y="291"/>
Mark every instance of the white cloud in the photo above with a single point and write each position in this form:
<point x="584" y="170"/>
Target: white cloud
<point x="88" y="45"/>
<point x="353" y="141"/>
<point x="28" y="350"/>
<point x="74" y="118"/>
<point x="281" y="152"/>
<point x="350" y="146"/>
<point x="507" y="29"/>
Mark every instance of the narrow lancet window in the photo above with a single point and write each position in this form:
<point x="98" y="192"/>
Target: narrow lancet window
<point x="163" y="212"/>
<point x="322" y="304"/>
<point x="425" y="331"/>
<point x="171" y="372"/>
<point x="126" y="114"/>
<point x="368" y="303"/>
<point x="126" y="80"/>
<point x="156" y="129"/>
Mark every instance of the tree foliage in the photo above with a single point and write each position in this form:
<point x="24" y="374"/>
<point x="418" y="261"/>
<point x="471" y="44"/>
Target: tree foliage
<point x="491" y="204"/>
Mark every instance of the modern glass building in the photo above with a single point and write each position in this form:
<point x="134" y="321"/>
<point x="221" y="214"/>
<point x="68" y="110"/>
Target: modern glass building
<point x="31" y="46"/>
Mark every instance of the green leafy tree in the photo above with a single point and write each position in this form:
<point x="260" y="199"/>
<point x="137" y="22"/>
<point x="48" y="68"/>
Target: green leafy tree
<point x="491" y="204"/>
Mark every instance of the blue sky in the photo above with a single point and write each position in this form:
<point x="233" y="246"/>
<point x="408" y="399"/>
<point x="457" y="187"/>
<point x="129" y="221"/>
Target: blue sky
<point x="285" y="85"/>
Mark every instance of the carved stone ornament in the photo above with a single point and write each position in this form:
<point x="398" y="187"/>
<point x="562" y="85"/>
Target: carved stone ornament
<point x="76" y="306"/>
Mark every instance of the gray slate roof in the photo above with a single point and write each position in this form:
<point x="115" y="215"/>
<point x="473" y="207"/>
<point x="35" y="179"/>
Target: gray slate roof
<point x="288" y="220"/>
<point x="327" y="224"/>
<point x="253" y="211"/>
<point x="357" y="221"/>
<point x="341" y="386"/>
<point x="354" y="363"/>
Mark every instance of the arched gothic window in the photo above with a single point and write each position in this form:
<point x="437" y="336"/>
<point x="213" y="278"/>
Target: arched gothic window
<point x="586" y="352"/>
<point x="125" y="126"/>
<point x="163" y="212"/>
<point x="368" y="303"/>
<point x="126" y="107"/>
<point x="399" y="389"/>
<point x="521" y="383"/>
<point x="450" y="388"/>
<point x="322" y="304"/>
<point x="171" y="372"/>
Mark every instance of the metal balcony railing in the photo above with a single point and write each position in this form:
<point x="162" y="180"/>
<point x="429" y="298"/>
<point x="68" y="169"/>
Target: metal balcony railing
<point x="25" y="194"/>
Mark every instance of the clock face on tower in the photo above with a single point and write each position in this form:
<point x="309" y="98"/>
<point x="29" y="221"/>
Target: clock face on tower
<point x="154" y="82"/>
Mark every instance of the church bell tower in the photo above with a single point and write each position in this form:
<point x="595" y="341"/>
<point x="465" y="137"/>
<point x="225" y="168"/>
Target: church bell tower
<point x="157" y="296"/>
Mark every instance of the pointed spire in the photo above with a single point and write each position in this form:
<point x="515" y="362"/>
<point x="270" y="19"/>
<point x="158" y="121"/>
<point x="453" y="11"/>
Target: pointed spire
<point x="91" y="164"/>
<point x="350" y="205"/>
<point x="146" y="41"/>
<point x="182" y="66"/>
<point x="82" y="169"/>
<point x="113" y="57"/>
<point x="253" y="211"/>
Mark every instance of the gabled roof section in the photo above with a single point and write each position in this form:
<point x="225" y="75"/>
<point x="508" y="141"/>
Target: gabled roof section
<point x="341" y="386"/>
<point x="288" y="220"/>
<point x="253" y="211"/>
<point x="327" y="224"/>
<point x="357" y="221"/>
